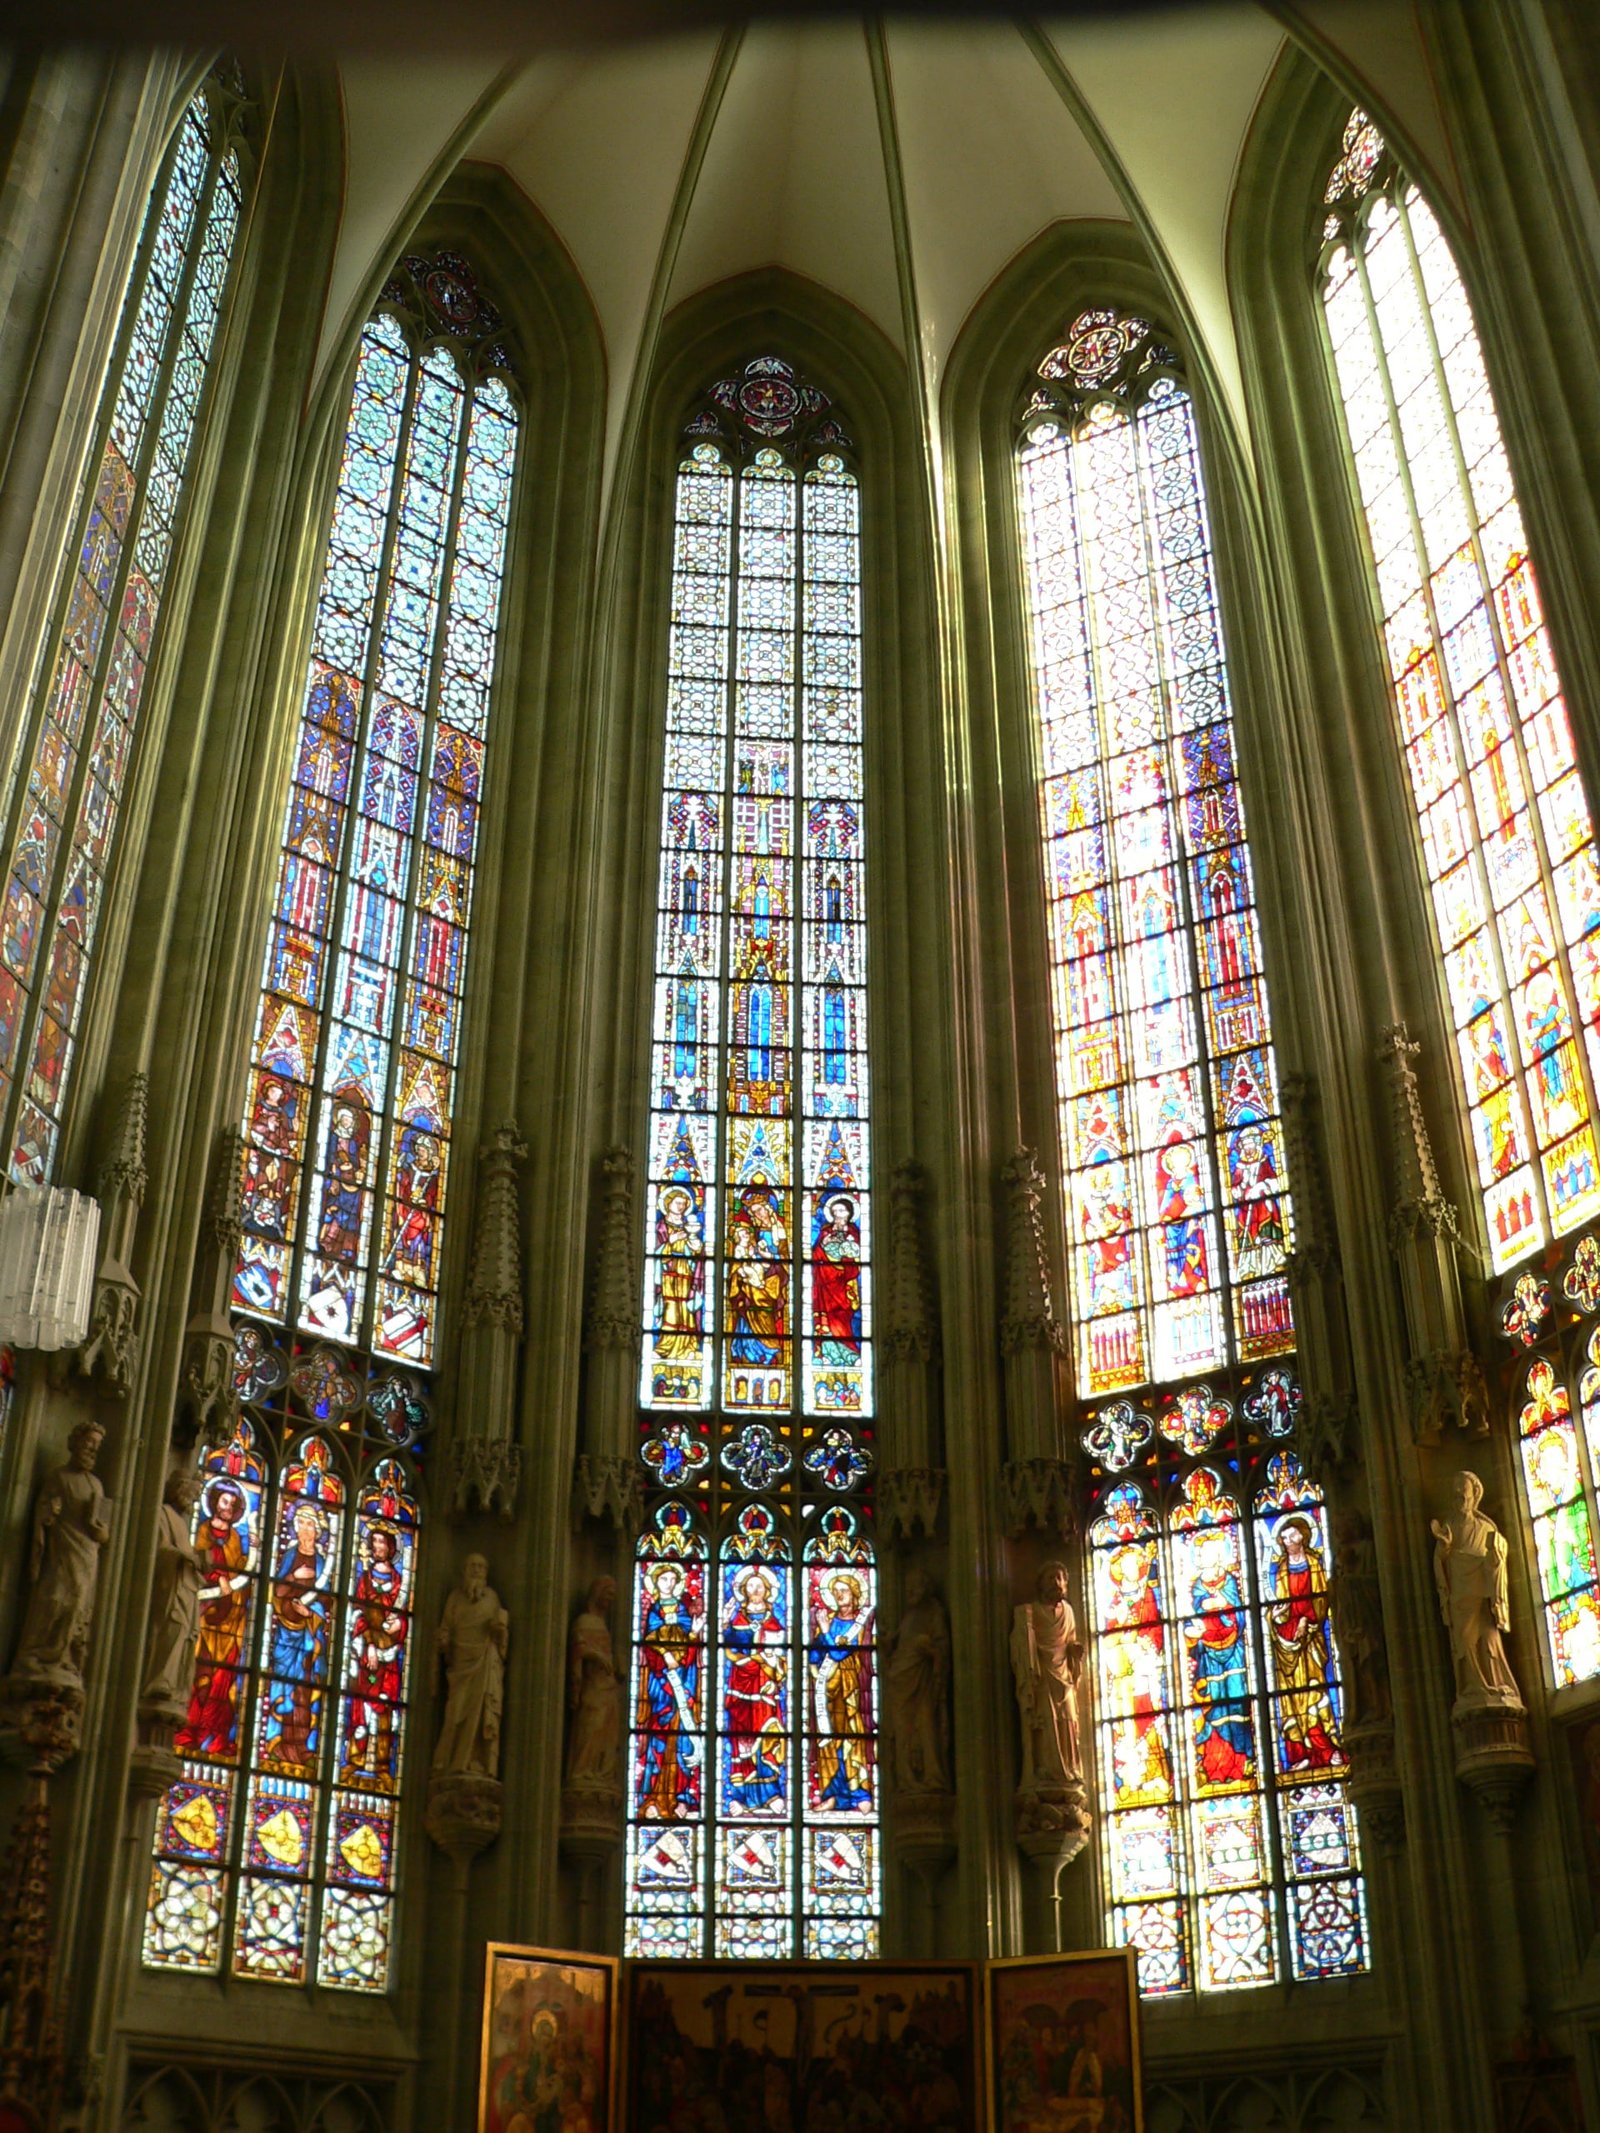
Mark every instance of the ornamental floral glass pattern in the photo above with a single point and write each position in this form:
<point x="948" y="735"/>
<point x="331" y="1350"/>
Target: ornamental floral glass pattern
<point x="77" y="743"/>
<point x="1171" y="1147"/>
<point x="275" y="1846"/>
<point x="1506" y="831"/>
<point x="753" y="1809"/>
<point x="1228" y="1839"/>
<point x="349" y="1115"/>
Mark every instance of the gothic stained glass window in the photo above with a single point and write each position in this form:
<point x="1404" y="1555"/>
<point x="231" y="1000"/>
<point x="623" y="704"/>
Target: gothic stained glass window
<point x="348" y="1119"/>
<point x="1178" y="1210"/>
<point x="275" y="1846"/>
<point x="753" y="1810"/>
<point x="1229" y="1846"/>
<point x="78" y="738"/>
<point x="1507" y="838"/>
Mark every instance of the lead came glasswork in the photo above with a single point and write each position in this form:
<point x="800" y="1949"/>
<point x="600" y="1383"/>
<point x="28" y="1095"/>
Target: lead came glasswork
<point x="1506" y="831"/>
<point x="349" y="1115"/>
<point x="63" y="820"/>
<point x="1179" y="1214"/>
<point x="753" y="1807"/>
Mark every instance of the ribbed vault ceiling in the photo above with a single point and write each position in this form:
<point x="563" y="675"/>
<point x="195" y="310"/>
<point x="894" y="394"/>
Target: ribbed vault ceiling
<point x="899" y="165"/>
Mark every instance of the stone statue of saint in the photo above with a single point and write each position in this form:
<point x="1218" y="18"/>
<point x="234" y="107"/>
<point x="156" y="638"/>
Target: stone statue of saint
<point x="1358" y="1619"/>
<point x="916" y="1691"/>
<point x="594" y="1695"/>
<point x="472" y="1645"/>
<point x="71" y="1524"/>
<point x="169" y="1648"/>
<point x="1469" y="1568"/>
<point x="1046" y="1662"/>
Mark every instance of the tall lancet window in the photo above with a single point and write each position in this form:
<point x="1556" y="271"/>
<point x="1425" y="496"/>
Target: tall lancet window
<point x="1507" y="839"/>
<point x="81" y="723"/>
<point x="275" y="1851"/>
<point x="1228" y="1842"/>
<point x="753" y="1802"/>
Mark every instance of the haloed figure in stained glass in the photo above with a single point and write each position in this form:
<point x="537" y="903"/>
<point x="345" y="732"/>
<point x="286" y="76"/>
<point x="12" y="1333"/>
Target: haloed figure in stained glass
<point x="297" y="1648"/>
<point x="755" y="1648"/>
<point x="758" y="1280"/>
<point x="1218" y="1666"/>
<point x="839" y="1655"/>
<point x="377" y="1660"/>
<point x="1134" y="1668"/>
<point x="669" y="1691"/>
<point x="1301" y="1647"/>
<point x="836" y="1281"/>
<point x="212" y="1727"/>
<point x="680" y="1244"/>
<point x="339" y="1236"/>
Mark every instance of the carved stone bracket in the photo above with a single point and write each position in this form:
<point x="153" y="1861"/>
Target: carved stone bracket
<point x="1374" y="1783"/>
<point x="1029" y="1319"/>
<point x="922" y="1828"/>
<point x="1493" y="1757"/>
<point x="909" y="1499"/>
<point x="613" y="1316"/>
<point x="591" y="1822"/>
<point x="484" y="1476"/>
<point x="1443" y="1377"/>
<point x="1039" y="1493"/>
<point x="607" y="1487"/>
<point x="110" y="1353"/>
<point x="463" y="1814"/>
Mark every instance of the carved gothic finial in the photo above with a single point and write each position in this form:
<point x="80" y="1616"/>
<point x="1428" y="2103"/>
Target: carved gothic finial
<point x="111" y="1349"/>
<point x="1419" y="1202"/>
<point x="1314" y="1238"/>
<point x="494" y="1283"/>
<point x="614" y="1299"/>
<point x="909" y="1331"/>
<point x="1443" y="1375"/>
<point x="1030" y="1317"/>
<point x="224" y="1221"/>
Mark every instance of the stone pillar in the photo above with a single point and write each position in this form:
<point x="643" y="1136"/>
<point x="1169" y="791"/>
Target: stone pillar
<point x="1328" y="1421"/>
<point x="208" y="1396"/>
<point x="485" y="1456"/>
<point x="606" y="1482"/>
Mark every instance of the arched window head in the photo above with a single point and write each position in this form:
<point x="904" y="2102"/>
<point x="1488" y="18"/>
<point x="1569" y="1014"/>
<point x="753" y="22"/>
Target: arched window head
<point x="349" y="1118"/>
<point x="1507" y="839"/>
<point x="77" y="738"/>
<point x="753" y="1795"/>
<point x="1229" y="1848"/>
<point x="1166" y="1085"/>
<point x="275" y="1849"/>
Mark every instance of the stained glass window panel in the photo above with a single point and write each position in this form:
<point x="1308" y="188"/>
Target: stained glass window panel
<point x="1506" y="835"/>
<point x="349" y="1114"/>
<point x="78" y="736"/>
<point x="1178" y="1210"/>
<point x="275" y="1849"/>
<point x="753" y="1810"/>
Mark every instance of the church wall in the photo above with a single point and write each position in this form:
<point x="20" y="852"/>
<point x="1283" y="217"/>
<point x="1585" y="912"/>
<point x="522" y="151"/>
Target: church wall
<point x="1473" y="1927"/>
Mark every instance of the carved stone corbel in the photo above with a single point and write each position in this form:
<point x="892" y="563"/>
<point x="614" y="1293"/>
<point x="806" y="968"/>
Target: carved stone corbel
<point x="910" y="1498"/>
<point x="110" y="1353"/>
<point x="485" y="1457"/>
<point x="1040" y="1495"/>
<point x="607" y="1486"/>
<point x="1443" y="1375"/>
